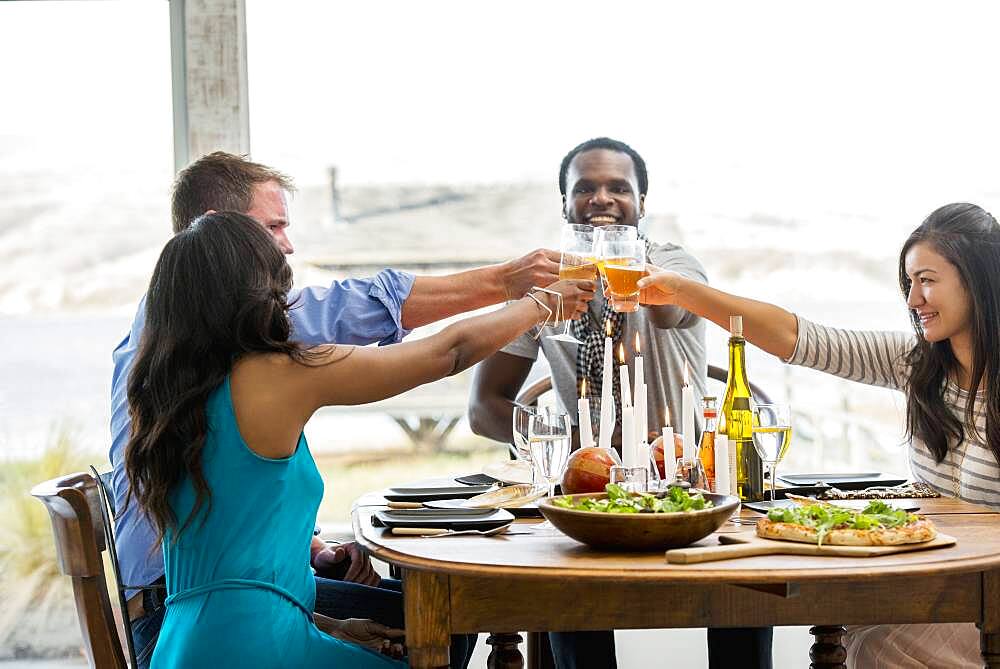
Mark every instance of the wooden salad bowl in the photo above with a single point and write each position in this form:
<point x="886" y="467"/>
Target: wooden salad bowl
<point x="639" y="531"/>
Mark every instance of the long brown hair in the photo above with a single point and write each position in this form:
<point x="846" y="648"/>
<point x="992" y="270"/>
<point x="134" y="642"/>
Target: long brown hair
<point x="219" y="291"/>
<point x="969" y="238"/>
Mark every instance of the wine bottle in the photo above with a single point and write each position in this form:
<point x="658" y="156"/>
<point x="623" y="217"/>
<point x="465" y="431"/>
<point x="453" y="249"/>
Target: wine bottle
<point x="706" y="450"/>
<point x="737" y="418"/>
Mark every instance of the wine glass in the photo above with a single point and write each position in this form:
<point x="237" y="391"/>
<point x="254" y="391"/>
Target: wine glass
<point x="549" y="436"/>
<point x="575" y="262"/>
<point x="624" y="262"/>
<point x="772" y="435"/>
<point x="521" y="417"/>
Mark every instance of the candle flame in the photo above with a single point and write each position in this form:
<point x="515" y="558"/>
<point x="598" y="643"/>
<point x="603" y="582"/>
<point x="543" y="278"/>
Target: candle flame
<point x="687" y="374"/>
<point x="607" y="326"/>
<point x="666" y="412"/>
<point x="583" y="390"/>
<point x="638" y="349"/>
<point x="621" y="353"/>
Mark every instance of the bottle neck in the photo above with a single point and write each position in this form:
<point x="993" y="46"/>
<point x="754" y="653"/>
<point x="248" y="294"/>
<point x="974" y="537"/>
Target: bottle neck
<point x="737" y="367"/>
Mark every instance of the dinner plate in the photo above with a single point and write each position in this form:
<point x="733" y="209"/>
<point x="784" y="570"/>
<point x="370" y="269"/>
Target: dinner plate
<point x="509" y="471"/>
<point x="428" y="493"/>
<point x="521" y="500"/>
<point x="844" y="481"/>
<point x="453" y="519"/>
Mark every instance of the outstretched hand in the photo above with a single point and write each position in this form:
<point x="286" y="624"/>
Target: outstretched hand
<point x="332" y="560"/>
<point x="367" y="633"/>
<point x="538" y="268"/>
<point x="659" y="286"/>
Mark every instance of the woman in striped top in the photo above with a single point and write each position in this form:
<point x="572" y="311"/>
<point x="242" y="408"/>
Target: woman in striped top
<point x="948" y="368"/>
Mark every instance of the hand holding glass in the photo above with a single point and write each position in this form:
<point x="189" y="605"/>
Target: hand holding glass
<point x="772" y="435"/>
<point x="624" y="264"/>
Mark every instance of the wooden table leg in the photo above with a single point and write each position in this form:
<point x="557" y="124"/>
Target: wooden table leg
<point x="827" y="651"/>
<point x="427" y="604"/>
<point x="989" y="629"/>
<point x="505" y="653"/>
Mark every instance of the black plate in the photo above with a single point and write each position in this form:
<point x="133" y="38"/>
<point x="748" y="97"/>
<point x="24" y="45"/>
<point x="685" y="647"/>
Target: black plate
<point x="428" y="493"/>
<point x="486" y="519"/>
<point x="844" y="481"/>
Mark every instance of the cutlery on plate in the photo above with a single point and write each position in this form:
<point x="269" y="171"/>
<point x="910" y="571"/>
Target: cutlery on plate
<point x="433" y="532"/>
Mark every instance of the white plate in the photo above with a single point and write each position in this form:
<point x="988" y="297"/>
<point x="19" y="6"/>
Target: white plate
<point x="509" y="471"/>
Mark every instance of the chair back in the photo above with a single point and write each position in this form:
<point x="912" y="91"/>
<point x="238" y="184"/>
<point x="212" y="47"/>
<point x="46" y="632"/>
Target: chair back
<point x="74" y="506"/>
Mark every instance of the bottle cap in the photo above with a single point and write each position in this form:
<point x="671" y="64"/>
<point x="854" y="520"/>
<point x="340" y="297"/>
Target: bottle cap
<point x="736" y="326"/>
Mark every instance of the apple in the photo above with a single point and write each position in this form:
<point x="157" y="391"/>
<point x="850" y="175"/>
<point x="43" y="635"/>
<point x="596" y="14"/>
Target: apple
<point x="657" y="447"/>
<point x="588" y="470"/>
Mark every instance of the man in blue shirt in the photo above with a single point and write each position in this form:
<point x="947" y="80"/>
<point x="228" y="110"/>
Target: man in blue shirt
<point x="380" y="309"/>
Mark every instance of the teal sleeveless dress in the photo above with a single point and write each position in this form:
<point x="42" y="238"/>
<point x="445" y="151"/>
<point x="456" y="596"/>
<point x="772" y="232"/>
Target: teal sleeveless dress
<point x="240" y="590"/>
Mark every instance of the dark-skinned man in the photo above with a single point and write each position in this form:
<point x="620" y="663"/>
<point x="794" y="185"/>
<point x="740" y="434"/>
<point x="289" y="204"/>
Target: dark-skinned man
<point x="604" y="182"/>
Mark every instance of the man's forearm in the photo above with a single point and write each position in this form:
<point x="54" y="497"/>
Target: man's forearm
<point x="433" y="298"/>
<point x="493" y="418"/>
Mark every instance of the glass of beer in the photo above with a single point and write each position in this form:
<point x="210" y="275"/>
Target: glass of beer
<point x="624" y="263"/>
<point x="577" y="248"/>
<point x="576" y="261"/>
<point x="611" y="233"/>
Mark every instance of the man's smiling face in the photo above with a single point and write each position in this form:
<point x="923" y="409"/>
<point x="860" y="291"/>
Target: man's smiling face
<point x="602" y="189"/>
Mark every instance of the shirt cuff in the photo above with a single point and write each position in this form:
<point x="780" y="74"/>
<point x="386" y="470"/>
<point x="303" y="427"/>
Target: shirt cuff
<point x="799" y="352"/>
<point x="392" y="288"/>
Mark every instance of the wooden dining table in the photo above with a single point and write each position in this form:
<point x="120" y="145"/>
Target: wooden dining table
<point x="535" y="579"/>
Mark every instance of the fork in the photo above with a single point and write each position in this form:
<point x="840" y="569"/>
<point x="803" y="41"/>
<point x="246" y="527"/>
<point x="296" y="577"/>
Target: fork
<point x="435" y="532"/>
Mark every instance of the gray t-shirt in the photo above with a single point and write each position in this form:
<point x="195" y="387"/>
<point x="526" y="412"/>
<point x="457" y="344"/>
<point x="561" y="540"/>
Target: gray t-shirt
<point x="664" y="351"/>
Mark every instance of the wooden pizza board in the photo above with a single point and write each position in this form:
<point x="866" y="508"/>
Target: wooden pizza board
<point x="749" y="544"/>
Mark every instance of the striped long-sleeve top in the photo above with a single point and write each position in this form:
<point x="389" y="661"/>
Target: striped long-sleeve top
<point x="970" y="470"/>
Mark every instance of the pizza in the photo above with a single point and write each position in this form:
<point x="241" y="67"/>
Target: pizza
<point x="878" y="524"/>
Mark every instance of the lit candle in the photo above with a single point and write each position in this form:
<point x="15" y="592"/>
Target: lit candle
<point x="687" y="414"/>
<point x="607" y="397"/>
<point x="630" y="456"/>
<point x="625" y="382"/>
<point x="641" y="424"/>
<point x="583" y="406"/>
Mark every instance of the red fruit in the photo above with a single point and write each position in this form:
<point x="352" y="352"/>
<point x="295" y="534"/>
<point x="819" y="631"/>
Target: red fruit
<point x="588" y="470"/>
<point x="657" y="446"/>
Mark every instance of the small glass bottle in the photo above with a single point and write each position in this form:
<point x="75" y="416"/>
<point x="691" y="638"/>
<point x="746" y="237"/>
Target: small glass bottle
<point x="706" y="450"/>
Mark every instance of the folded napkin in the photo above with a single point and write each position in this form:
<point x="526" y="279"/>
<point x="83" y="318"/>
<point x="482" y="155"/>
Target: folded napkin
<point x="914" y="489"/>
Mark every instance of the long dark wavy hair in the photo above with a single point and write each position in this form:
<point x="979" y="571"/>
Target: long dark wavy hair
<point x="969" y="238"/>
<point x="219" y="291"/>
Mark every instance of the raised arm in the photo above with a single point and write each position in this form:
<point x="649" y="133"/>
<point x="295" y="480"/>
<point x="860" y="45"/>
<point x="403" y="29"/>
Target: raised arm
<point x="435" y="297"/>
<point x="361" y="375"/>
<point x="767" y="326"/>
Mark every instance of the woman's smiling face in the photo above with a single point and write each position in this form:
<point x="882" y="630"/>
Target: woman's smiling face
<point x="937" y="294"/>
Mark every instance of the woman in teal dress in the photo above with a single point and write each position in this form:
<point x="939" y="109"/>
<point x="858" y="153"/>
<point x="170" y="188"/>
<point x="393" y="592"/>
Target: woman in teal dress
<point x="218" y="398"/>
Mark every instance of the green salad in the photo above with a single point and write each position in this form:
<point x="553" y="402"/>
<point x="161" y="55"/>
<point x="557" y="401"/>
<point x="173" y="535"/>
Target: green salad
<point x="825" y="517"/>
<point x="620" y="501"/>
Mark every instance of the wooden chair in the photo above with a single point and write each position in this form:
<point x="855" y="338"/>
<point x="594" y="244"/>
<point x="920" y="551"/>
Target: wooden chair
<point x="78" y="523"/>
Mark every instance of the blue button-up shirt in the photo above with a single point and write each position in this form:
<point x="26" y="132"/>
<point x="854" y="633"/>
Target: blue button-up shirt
<point x="355" y="311"/>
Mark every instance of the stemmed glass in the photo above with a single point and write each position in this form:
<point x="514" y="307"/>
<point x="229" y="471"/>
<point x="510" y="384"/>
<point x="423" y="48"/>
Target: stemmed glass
<point x="624" y="262"/>
<point x="575" y="262"/>
<point x="549" y="436"/>
<point x="521" y="419"/>
<point x="772" y="435"/>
